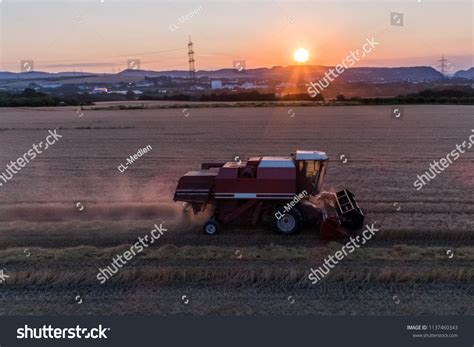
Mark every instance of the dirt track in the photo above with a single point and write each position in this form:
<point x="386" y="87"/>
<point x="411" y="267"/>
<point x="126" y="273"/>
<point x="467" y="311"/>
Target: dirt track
<point x="41" y="230"/>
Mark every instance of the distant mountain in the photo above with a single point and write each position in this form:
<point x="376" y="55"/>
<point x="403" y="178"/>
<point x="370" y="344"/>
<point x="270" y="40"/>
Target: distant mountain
<point x="468" y="74"/>
<point x="279" y="73"/>
<point x="34" y="75"/>
<point x="276" y="73"/>
<point x="398" y="74"/>
<point x="150" y="73"/>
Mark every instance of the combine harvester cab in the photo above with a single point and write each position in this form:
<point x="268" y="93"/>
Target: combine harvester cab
<point x="282" y="191"/>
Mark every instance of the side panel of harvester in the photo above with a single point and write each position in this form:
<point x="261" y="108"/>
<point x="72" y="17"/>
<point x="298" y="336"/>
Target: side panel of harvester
<point x="270" y="180"/>
<point x="245" y="192"/>
<point x="196" y="188"/>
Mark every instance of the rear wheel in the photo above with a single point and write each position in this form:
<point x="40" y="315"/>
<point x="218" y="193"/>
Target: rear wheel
<point x="287" y="222"/>
<point x="211" y="227"/>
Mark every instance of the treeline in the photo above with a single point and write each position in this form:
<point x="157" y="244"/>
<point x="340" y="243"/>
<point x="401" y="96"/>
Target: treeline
<point x="429" y="96"/>
<point x="31" y="98"/>
<point x="239" y="96"/>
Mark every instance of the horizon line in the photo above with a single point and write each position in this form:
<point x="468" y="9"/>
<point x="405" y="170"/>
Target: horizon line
<point x="227" y="68"/>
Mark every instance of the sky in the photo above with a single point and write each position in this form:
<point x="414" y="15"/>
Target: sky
<point x="103" y="35"/>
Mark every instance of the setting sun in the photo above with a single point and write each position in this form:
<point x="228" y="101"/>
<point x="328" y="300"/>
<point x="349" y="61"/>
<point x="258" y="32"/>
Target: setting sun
<point x="301" y="55"/>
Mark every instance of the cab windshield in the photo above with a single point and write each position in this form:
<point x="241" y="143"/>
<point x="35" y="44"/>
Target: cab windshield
<point x="315" y="170"/>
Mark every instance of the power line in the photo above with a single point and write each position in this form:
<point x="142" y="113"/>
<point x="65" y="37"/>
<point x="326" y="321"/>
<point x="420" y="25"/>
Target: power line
<point x="103" y="58"/>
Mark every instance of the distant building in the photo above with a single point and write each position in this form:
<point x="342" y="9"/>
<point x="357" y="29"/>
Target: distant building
<point x="216" y="84"/>
<point x="286" y="85"/>
<point x="247" y="85"/>
<point x="99" y="90"/>
<point x="50" y="85"/>
<point x="124" y="92"/>
<point x="144" y="84"/>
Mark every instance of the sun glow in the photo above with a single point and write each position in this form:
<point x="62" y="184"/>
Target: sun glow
<point x="301" y="55"/>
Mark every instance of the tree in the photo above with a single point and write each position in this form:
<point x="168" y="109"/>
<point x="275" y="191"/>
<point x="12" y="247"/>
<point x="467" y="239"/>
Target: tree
<point x="130" y="95"/>
<point x="30" y="93"/>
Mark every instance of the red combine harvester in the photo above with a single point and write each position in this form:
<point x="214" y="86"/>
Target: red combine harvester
<point x="282" y="191"/>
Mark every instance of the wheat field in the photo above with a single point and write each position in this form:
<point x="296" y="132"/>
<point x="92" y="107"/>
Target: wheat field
<point x="420" y="262"/>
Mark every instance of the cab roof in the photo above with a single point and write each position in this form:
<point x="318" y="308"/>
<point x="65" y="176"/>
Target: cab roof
<point x="311" y="155"/>
<point x="276" y="162"/>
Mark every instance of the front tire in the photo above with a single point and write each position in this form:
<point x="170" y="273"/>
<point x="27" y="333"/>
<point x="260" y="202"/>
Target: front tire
<point x="287" y="223"/>
<point x="211" y="227"/>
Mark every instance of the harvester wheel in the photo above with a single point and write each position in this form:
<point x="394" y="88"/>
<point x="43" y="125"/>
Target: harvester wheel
<point x="287" y="222"/>
<point x="211" y="227"/>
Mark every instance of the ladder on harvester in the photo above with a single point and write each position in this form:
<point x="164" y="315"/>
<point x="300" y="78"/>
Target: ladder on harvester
<point x="348" y="210"/>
